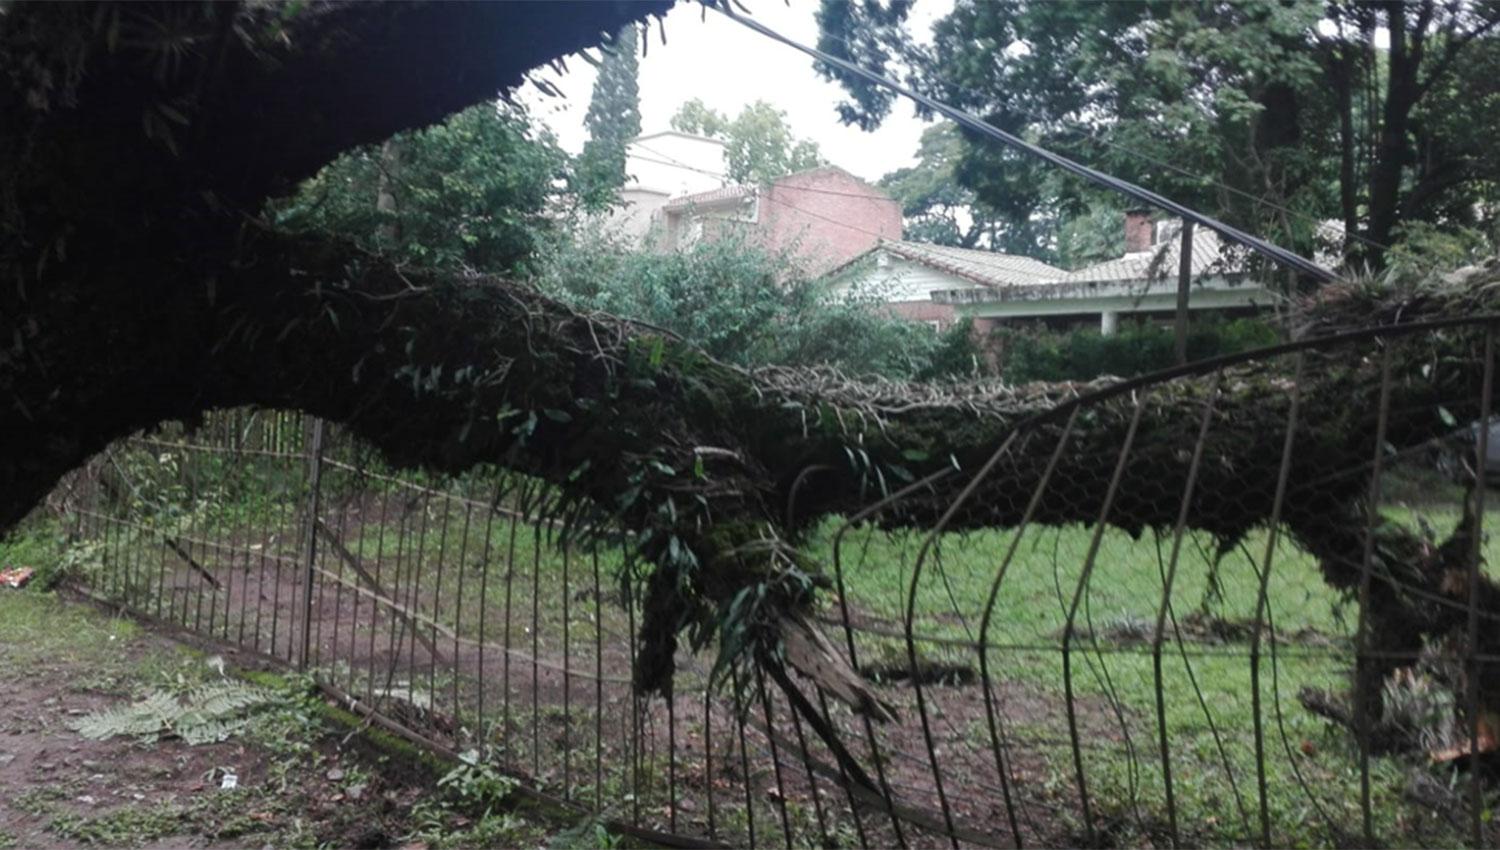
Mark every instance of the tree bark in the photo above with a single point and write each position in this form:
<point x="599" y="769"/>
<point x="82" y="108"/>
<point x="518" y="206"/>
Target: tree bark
<point x="385" y="193"/>
<point x="1343" y="70"/>
<point x="1393" y="149"/>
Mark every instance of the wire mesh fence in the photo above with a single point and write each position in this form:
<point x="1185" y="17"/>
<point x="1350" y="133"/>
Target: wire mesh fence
<point x="1129" y="660"/>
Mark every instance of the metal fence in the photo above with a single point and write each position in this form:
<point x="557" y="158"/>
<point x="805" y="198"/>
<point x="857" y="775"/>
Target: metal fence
<point x="1054" y="682"/>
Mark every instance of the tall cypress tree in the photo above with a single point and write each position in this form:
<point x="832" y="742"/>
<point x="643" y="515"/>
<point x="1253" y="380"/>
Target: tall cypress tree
<point x="613" y="119"/>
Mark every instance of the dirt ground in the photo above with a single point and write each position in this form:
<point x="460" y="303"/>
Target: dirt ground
<point x="301" y="780"/>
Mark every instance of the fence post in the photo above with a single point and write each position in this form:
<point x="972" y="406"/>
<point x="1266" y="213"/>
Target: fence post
<point x="310" y="551"/>
<point x="1184" y="286"/>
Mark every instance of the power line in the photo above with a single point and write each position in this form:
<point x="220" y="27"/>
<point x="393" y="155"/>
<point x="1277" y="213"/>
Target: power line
<point x="673" y="161"/>
<point x="1124" y="187"/>
<point x="1090" y="133"/>
<point x="788" y="204"/>
<point x="780" y="201"/>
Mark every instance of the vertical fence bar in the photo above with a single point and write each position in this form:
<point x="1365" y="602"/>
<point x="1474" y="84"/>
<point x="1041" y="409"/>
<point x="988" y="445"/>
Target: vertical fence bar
<point x="992" y="720"/>
<point x="765" y="704"/>
<point x="567" y="679"/>
<point x="376" y="602"/>
<point x="1070" y="699"/>
<point x="598" y="686"/>
<point x="1166" y="604"/>
<point x="437" y="599"/>
<point x="1272" y="530"/>
<point x="708" y="756"/>
<point x="1476" y="561"/>
<point x="536" y="636"/>
<point x="310" y="544"/>
<point x="458" y="625"/>
<point x="484" y="606"/>
<point x="739" y="719"/>
<point x="1362" y="684"/>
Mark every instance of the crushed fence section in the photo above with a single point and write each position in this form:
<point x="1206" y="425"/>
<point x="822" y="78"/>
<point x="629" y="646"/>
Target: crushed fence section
<point x="1150" y="674"/>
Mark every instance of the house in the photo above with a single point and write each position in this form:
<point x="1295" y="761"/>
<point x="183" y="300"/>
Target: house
<point x="824" y="217"/>
<point x="660" y="166"/>
<point x="1141" y="283"/>
<point x="906" y="276"/>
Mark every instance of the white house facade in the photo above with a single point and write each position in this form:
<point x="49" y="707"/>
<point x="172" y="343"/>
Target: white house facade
<point x="662" y="166"/>
<point x="940" y="285"/>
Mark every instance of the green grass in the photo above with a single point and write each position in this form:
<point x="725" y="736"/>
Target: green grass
<point x="37" y="543"/>
<point x="37" y="628"/>
<point x="1112" y="663"/>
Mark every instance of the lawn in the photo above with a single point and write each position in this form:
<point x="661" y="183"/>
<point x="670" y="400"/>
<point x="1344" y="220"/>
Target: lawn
<point x="1312" y="767"/>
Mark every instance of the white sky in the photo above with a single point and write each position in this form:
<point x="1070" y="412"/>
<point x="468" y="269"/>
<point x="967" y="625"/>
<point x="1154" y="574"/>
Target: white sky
<point x="729" y="66"/>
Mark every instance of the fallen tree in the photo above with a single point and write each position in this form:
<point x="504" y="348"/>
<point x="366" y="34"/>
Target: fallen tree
<point x="139" y="286"/>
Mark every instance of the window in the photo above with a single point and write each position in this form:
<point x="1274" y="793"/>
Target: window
<point x="936" y="325"/>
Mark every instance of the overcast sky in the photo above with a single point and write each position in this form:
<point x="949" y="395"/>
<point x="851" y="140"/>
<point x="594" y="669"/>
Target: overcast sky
<point x="729" y="66"/>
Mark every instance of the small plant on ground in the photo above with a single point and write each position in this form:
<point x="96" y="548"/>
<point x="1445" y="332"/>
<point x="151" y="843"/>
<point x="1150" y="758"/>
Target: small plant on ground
<point x="204" y="715"/>
<point x="587" y="834"/>
<point x="475" y="785"/>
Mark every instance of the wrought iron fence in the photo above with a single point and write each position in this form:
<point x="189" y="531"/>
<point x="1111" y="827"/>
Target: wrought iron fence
<point x="1054" y="682"/>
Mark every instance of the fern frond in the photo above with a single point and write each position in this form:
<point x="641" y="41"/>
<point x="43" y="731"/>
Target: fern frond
<point x="206" y="714"/>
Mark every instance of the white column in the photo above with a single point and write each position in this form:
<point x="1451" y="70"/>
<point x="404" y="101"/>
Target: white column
<point x="1109" y="322"/>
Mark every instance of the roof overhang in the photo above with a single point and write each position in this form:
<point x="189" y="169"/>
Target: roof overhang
<point x="1112" y="296"/>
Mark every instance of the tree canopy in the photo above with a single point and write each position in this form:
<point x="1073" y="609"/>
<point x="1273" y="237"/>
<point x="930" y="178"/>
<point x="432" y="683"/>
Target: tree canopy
<point x="1276" y="116"/>
<point x="613" y="119"/>
<point x="759" y="144"/>
<point x="470" y="193"/>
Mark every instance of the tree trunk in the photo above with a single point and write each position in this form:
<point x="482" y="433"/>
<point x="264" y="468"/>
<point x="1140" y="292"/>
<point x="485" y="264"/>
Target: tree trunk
<point x="1343" y="76"/>
<point x="1392" y="149"/>
<point x="385" y="194"/>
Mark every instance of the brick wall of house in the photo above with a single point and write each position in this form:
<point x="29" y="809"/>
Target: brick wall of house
<point x="924" y="311"/>
<point x="828" y="216"/>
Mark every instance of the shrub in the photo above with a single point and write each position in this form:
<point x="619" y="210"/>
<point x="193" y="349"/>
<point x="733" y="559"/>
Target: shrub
<point x="1085" y="354"/>
<point x="745" y="305"/>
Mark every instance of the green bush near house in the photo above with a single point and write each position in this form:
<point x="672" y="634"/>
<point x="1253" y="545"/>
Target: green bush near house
<point x="1085" y="354"/>
<point x="749" y="306"/>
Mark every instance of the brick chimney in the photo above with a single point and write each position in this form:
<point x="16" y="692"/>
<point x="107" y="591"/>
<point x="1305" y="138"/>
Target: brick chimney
<point x="1140" y="233"/>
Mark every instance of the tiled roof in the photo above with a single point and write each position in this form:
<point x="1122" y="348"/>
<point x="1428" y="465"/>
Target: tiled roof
<point x="984" y="267"/>
<point x="1160" y="261"/>
<point x="711" y="197"/>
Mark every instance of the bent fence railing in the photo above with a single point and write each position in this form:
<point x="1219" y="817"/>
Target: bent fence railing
<point x="1062" y="680"/>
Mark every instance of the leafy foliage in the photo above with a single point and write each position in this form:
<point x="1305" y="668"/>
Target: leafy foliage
<point x="471" y="193"/>
<point x="735" y="302"/>
<point x="759" y="144"/>
<point x="613" y="119"/>
<point x="936" y="207"/>
<point x="1092" y="237"/>
<point x="203" y="715"/>
<point x="1424" y="247"/>
<point x="1085" y="354"/>
<point x="477" y="784"/>
<point x="1274" y="116"/>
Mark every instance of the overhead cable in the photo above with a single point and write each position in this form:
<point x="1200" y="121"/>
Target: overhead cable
<point x="1254" y="243"/>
